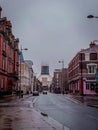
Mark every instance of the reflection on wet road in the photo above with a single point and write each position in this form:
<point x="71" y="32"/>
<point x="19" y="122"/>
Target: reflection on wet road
<point x="13" y="113"/>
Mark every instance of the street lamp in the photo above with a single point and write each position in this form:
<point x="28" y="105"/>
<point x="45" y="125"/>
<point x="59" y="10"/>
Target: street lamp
<point x="91" y="16"/>
<point x="21" y="49"/>
<point x="62" y="62"/>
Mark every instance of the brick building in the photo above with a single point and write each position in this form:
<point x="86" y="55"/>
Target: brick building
<point x="60" y="80"/>
<point x="9" y="57"/>
<point x="57" y="81"/>
<point x="82" y="71"/>
<point x="27" y="76"/>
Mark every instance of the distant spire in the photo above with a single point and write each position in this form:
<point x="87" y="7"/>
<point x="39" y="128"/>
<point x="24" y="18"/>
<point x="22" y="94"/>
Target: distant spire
<point x="21" y="57"/>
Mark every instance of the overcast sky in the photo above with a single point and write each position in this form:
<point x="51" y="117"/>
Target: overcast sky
<point x="52" y="30"/>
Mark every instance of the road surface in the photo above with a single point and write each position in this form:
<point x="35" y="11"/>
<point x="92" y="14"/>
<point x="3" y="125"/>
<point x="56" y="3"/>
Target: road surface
<point x="70" y="114"/>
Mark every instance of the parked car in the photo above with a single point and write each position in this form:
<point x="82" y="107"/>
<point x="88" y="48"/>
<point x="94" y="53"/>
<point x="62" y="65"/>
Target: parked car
<point x="44" y="92"/>
<point x="35" y="93"/>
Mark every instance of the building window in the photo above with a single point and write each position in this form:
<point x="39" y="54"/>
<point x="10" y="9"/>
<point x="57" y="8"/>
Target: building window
<point x="2" y="83"/>
<point x="10" y="67"/>
<point x="86" y="56"/>
<point x="90" y="86"/>
<point x="4" y="46"/>
<point x="93" y="56"/>
<point x="3" y="62"/>
<point x="92" y="68"/>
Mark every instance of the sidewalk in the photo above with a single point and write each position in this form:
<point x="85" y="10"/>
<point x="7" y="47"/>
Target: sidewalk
<point x="26" y="119"/>
<point x="20" y="115"/>
<point x="85" y="100"/>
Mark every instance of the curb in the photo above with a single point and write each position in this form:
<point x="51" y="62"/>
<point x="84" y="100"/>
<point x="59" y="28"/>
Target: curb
<point x="53" y="123"/>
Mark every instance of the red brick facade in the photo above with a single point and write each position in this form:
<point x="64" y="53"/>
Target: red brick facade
<point x="60" y="80"/>
<point x="82" y="71"/>
<point x="57" y="80"/>
<point x="9" y="57"/>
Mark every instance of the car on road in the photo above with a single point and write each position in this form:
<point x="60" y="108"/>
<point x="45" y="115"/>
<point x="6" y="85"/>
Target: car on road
<point x="44" y="92"/>
<point x="35" y="93"/>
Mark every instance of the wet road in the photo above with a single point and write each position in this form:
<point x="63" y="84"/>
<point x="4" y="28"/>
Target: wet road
<point x="20" y="115"/>
<point x="70" y="114"/>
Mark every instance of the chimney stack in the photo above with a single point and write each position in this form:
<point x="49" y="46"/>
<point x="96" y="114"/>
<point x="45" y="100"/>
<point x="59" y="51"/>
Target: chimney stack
<point x="92" y="44"/>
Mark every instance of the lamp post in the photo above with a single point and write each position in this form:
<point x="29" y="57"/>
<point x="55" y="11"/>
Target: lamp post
<point x="21" y="49"/>
<point x="62" y="62"/>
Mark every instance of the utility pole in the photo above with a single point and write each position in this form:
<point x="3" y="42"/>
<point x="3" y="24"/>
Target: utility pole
<point x="21" y="49"/>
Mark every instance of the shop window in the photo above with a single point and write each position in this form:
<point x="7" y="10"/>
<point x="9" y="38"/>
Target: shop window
<point x="92" y="86"/>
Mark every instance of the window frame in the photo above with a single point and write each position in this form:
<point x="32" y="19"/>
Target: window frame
<point x="2" y="83"/>
<point x="92" y="69"/>
<point x="3" y="62"/>
<point x="4" y="46"/>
